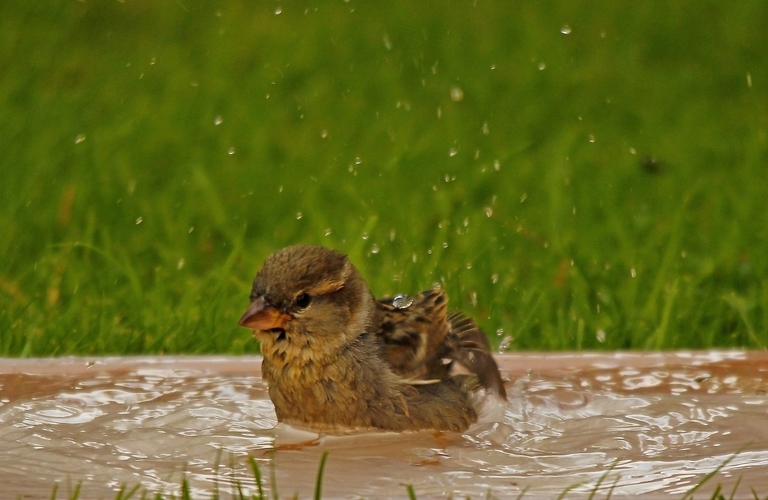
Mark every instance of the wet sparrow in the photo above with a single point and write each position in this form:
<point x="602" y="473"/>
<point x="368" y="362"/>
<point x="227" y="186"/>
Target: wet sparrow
<point x="336" y="358"/>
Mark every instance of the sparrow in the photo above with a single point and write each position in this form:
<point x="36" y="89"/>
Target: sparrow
<point x="337" y="359"/>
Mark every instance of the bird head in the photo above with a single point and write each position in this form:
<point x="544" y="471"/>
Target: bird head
<point x="307" y="302"/>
